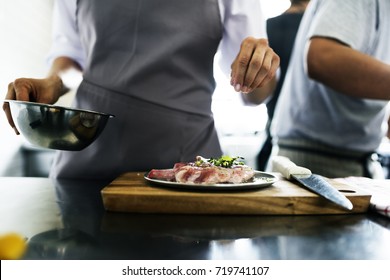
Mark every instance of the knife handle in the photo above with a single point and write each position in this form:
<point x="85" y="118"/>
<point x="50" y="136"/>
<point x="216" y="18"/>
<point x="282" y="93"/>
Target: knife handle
<point x="285" y="166"/>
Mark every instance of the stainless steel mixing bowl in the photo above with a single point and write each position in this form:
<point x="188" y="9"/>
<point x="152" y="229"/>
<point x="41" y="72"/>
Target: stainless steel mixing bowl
<point x="57" y="127"/>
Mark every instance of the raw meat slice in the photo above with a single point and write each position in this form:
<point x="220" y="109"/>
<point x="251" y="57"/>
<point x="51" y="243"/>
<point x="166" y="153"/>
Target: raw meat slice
<point x="162" y="174"/>
<point x="204" y="171"/>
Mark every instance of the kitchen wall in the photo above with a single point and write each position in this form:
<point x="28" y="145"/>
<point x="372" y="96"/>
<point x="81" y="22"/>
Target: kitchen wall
<point x="25" y="40"/>
<point x="25" y="31"/>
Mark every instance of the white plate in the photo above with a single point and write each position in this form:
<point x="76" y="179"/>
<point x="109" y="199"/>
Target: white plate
<point x="260" y="180"/>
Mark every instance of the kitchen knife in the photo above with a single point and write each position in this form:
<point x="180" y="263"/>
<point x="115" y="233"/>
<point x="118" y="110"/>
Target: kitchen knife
<point x="313" y="182"/>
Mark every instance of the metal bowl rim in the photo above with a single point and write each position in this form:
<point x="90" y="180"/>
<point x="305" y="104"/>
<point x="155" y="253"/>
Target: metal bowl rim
<point x="28" y="103"/>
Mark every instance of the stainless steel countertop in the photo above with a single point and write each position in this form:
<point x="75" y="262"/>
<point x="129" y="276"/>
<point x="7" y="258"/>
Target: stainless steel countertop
<point x="66" y="220"/>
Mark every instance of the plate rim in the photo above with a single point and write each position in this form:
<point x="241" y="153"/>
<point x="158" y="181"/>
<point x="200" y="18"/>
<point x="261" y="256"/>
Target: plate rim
<point x="220" y="187"/>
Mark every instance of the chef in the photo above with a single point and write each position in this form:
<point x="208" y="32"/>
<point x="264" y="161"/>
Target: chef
<point x="331" y="113"/>
<point x="149" y="63"/>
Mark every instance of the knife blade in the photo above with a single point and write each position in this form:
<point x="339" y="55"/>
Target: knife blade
<point x="313" y="182"/>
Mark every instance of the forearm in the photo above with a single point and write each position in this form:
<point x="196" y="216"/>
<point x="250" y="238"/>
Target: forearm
<point x="63" y="68"/>
<point x="347" y="71"/>
<point x="259" y="95"/>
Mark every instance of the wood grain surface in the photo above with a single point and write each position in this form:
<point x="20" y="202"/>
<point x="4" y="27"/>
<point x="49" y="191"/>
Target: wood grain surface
<point x="132" y="193"/>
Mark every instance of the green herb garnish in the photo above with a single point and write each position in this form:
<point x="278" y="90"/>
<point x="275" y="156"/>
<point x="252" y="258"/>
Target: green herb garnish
<point x="226" y="161"/>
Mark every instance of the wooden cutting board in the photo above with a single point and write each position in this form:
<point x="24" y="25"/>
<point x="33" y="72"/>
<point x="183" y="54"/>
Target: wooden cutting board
<point x="132" y="193"/>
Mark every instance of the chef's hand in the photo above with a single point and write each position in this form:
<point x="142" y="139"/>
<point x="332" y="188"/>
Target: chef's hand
<point x="255" y="65"/>
<point x="46" y="91"/>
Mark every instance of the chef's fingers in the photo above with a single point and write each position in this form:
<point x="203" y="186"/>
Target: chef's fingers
<point x="21" y="89"/>
<point x="255" y="65"/>
<point x="248" y="62"/>
<point x="11" y="96"/>
<point x="9" y="117"/>
<point x="240" y="64"/>
<point x="24" y="89"/>
<point x="267" y="72"/>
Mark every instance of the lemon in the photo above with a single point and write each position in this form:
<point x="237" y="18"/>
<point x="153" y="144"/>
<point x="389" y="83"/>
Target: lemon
<point x="12" y="246"/>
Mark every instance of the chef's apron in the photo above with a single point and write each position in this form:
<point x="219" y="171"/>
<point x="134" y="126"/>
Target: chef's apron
<point x="149" y="63"/>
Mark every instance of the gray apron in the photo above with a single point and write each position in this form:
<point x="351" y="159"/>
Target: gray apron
<point x="150" y="63"/>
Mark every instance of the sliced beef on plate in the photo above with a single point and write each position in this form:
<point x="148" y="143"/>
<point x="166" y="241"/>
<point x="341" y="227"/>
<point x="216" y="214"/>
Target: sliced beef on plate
<point x="205" y="174"/>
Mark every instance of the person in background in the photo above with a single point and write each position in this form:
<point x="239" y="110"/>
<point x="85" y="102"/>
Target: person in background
<point x="281" y="31"/>
<point x="151" y="65"/>
<point x="384" y="155"/>
<point x="388" y="128"/>
<point x="333" y="101"/>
